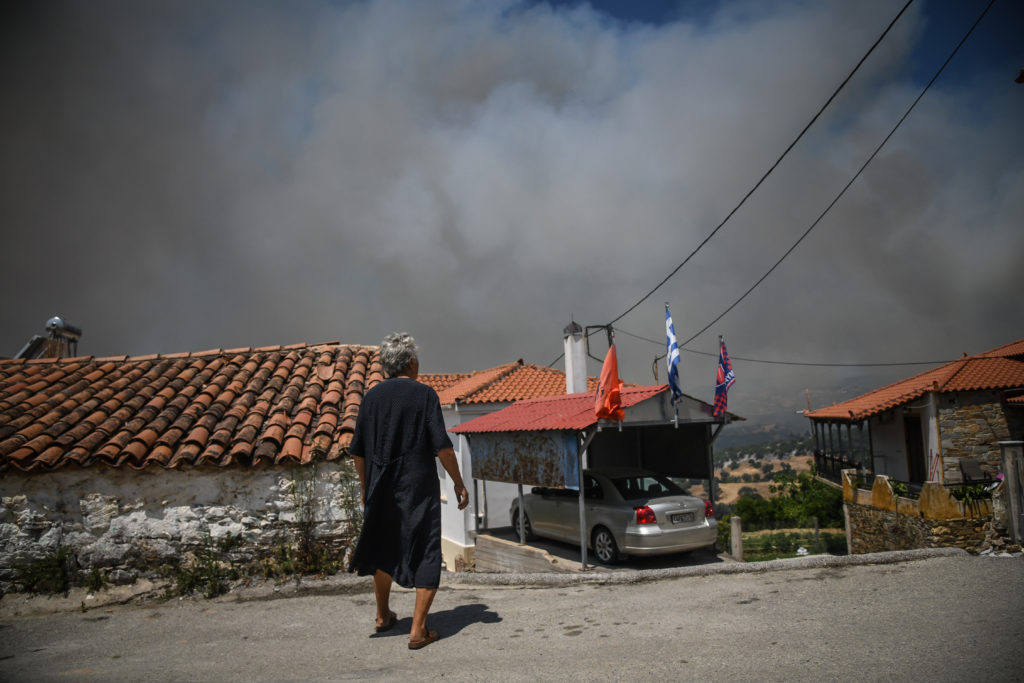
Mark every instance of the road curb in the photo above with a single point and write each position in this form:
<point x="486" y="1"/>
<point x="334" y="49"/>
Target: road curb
<point x="549" y="579"/>
<point x="343" y="584"/>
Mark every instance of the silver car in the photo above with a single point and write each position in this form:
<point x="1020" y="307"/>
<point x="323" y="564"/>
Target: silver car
<point x="628" y="512"/>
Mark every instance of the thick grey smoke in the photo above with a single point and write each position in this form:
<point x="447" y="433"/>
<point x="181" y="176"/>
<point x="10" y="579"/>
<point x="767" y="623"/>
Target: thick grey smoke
<point x="184" y="176"/>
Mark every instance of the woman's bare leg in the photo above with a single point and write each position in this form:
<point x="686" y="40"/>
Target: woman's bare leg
<point x="424" y="598"/>
<point x="382" y="591"/>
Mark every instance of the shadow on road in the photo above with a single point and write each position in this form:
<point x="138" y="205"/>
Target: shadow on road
<point x="447" y="622"/>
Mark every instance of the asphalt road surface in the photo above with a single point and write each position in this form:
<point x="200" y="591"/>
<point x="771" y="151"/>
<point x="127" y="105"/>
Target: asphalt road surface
<point x="946" y="618"/>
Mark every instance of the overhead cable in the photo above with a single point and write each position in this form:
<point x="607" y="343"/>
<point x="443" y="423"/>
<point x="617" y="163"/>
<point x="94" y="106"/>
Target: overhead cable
<point x="852" y="180"/>
<point x="784" y="362"/>
<point x="770" y="169"/>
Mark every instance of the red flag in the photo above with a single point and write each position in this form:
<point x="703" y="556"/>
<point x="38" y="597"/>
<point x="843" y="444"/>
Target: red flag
<point x="608" y="403"/>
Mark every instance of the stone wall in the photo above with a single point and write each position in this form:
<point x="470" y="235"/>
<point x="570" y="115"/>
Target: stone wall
<point x="130" y="523"/>
<point x="878" y="520"/>
<point x="873" y="530"/>
<point x="972" y="425"/>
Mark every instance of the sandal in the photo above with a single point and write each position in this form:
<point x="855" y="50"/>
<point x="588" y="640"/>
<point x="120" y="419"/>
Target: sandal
<point x="388" y="623"/>
<point x="425" y="640"/>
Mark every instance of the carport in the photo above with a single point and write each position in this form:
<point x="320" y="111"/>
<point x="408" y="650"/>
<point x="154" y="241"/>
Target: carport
<point x="550" y="441"/>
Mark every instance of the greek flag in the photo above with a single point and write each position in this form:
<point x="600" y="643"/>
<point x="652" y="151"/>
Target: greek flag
<point x="672" y="356"/>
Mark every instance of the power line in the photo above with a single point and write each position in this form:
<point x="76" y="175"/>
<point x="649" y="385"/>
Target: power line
<point x="814" y="224"/>
<point x="782" y="362"/>
<point x="772" y="362"/>
<point x="768" y="172"/>
<point x="852" y="180"/>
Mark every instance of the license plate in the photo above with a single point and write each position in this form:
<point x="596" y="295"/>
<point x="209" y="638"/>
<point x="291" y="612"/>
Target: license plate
<point x="682" y="517"/>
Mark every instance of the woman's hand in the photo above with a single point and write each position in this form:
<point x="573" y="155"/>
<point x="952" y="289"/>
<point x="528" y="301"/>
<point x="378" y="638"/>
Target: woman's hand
<point x="463" y="495"/>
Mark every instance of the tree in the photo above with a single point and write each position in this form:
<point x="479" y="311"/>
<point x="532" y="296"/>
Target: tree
<point x="795" y="499"/>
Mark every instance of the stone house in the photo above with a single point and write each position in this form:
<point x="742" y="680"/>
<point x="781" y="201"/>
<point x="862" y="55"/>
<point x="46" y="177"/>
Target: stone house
<point x="942" y="425"/>
<point x="128" y="463"/>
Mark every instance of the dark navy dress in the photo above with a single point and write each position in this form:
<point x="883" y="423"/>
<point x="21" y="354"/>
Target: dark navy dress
<point x="399" y="432"/>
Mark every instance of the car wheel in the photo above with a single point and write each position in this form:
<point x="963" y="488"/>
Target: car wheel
<point x="526" y="525"/>
<point x="604" y="546"/>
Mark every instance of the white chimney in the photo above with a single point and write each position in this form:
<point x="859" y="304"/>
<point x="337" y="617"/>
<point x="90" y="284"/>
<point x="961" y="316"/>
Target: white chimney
<point x="575" y="359"/>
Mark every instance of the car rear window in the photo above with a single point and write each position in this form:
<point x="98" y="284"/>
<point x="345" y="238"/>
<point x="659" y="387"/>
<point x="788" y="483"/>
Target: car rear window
<point x="646" y="486"/>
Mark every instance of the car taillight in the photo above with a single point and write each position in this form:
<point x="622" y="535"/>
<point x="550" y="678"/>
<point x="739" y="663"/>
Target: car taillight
<point x="645" y="515"/>
<point x="709" y="509"/>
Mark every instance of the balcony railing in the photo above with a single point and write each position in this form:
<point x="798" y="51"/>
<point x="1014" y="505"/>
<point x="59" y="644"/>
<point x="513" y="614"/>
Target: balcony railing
<point x="831" y="466"/>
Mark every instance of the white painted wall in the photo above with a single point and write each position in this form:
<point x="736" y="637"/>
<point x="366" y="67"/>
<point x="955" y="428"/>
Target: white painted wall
<point x="889" y="446"/>
<point x="109" y="516"/>
<point x="457" y="526"/>
<point x="889" y="438"/>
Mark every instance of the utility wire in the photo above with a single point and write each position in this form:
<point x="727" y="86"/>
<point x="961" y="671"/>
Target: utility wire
<point x="768" y="172"/>
<point x="815" y="223"/>
<point x="852" y="180"/>
<point x="782" y="362"/>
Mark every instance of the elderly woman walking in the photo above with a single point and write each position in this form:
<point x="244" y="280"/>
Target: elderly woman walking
<point x="399" y="432"/>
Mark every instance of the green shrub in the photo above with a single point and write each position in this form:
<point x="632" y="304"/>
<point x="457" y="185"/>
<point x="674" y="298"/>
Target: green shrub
<point x="796" y="499"/>
<point x="725" y="534"/>
<point x="51" y="574"/>
<point x="95" y="580"/>
<point x="970" y="493"/>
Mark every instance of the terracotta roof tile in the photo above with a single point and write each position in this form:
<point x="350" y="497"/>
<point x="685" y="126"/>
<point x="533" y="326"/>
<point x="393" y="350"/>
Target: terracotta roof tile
<point x="502" y="384"/>
<point x="565" y="412"/>
<point x="1000" y="368"/>
<point x="216" y="408"/>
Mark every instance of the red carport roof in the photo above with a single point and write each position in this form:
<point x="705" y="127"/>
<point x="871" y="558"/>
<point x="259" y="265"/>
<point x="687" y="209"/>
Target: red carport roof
<point x="572" y="412"/>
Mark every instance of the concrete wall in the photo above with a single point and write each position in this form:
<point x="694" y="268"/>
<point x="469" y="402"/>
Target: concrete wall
<point x="134" y="521"/>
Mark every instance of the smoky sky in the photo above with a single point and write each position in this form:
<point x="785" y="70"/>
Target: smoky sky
<point x="187" y="176"/>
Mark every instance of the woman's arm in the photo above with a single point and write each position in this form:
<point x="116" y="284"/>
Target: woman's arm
<point x="451" y="466"/>
<point x="360" y="464"/>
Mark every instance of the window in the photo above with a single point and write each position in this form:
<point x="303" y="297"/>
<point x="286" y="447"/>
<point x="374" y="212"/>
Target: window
<point x="646" y="486"/>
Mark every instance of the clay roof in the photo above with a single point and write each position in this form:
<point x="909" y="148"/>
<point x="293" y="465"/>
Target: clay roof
<point x="502" y="384"/>
<point x="1000" y="368"/>
<point x="219" y="407"/>
<point x="572" y="412"/>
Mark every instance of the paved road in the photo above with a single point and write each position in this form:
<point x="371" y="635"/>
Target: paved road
<point x="946" y="618"/>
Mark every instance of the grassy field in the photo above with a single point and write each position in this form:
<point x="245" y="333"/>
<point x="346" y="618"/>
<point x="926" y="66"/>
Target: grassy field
<point x="776" y="544"/>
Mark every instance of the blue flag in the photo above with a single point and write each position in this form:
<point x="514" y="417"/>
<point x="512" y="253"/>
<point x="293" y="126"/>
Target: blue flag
<point x="672" y="356"/>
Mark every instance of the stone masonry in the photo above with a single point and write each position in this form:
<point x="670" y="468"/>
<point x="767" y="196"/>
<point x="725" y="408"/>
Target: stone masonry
<point x="129" y="523"/>
<point x="874" y="530"/>
<point x="972" y="425"/>
<point x="879" y="521"/>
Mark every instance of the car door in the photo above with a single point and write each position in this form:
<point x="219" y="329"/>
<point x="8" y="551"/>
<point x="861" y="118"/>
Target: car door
<point x="543" y="512"/>
<point x="569" y="510"/>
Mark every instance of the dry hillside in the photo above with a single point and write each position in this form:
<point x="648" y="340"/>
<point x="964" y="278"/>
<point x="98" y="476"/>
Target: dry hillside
<point x="731" y="491"/>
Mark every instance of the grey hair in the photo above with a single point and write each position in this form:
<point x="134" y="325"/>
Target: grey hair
<point x="397" y="352"/>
